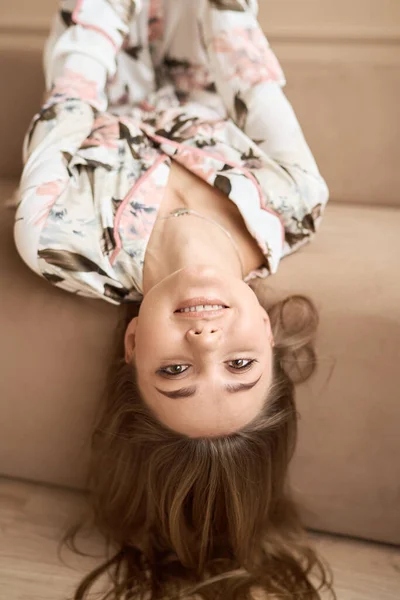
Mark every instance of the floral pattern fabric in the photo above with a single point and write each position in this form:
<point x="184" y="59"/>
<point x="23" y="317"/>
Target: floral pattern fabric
<point x="132" y="86"/>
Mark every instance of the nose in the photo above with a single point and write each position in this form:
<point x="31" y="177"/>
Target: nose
<point x="204" y="335"/>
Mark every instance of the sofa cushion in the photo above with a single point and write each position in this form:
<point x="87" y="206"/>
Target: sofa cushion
<point x="55" y="346"/>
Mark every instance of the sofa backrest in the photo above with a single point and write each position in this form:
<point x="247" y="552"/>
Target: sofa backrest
<point x="342" y="63"/>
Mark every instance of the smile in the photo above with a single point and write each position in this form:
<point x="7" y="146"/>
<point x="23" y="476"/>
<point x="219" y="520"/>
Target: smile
<point x="201" y="308"/>
<point x="201" y="304"/>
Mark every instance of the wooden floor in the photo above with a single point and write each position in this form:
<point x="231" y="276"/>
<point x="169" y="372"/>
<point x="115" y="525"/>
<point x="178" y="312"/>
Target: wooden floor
<point x="32" y="518"/>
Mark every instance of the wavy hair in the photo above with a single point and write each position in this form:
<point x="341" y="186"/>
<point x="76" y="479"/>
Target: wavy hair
<point x="205" y="518"/>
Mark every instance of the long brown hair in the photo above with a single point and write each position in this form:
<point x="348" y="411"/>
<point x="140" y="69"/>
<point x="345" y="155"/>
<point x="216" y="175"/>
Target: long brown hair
<point x="207" y="518"/>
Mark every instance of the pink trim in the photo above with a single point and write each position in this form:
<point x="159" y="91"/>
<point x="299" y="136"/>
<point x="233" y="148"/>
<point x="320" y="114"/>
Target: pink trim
<point x="117" y="237"/>
<point x="77" y="9"/>
<point x="75" y="18"/>
<point x="230" y="163"/>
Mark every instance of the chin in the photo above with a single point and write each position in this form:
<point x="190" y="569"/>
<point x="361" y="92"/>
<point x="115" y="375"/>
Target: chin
<point x="200" y="270"/>
<point x="206" y="274"/>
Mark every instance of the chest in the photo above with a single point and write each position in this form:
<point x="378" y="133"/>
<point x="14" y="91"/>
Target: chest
<point x="186" y="190"/>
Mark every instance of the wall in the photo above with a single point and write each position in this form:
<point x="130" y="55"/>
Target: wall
<point x="342" y="62"/>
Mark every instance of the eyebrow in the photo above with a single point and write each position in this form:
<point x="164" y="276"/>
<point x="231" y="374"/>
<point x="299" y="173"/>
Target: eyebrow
<point x="186" y="392"/>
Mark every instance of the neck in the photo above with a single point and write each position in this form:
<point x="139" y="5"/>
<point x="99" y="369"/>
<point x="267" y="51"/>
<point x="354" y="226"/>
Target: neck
<point x="179" y="242"/>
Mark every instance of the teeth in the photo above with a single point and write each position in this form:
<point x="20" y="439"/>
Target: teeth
<point x="201" y="308"/>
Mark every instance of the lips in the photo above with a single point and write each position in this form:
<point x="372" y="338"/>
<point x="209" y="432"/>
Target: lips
<point x="209" y="313"/>
<point x="202" y="315"/>
<point x="201" y="301"/>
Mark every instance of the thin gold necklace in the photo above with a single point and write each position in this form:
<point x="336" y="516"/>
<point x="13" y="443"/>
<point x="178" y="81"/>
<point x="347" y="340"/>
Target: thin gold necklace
<point x="180" y="212"/>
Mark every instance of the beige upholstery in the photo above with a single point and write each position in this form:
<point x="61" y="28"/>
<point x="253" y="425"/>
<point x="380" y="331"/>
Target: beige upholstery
<point x="54" y="349"/>
<point x="22" y="71"/>
<point x="348" y="109"/>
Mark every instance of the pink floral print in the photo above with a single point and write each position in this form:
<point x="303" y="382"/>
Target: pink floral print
<point x="52" y="189"/>
<point x="193" y="77"/>
<point x="139" y="210"/>
<point x="204" y="128"/>
<point x="98" y="153"/>
<point x="105" y="132"/>
<point x="196" y="162"/>
<point x="246" y="55"/>
<point x="75" y="85"/>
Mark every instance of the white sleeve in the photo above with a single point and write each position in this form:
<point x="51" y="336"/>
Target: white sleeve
<point x="77" y="66"/>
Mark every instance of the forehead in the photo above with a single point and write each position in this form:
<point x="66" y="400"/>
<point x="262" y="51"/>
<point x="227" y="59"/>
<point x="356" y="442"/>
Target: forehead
<point x="211" y="411"/>
<point x="198" y="418"/>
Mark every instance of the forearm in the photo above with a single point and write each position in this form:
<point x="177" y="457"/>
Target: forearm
<point x="77" y="65"/>
<point x="80" y="60"/>
<point x="249" y="79"/>
<point x="77" y="62"/>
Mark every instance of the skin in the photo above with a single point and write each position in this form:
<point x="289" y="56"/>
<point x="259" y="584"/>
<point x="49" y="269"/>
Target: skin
<point x="188" y="257"/>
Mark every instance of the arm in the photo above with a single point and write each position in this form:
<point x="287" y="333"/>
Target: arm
<point x="249" y="79"/>
<point x="79" y="61"/>
<point x="77" y="68"/>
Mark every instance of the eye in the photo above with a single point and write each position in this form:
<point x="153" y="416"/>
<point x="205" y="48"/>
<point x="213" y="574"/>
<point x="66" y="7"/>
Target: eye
<point x="173" y="370"/>
<point x="240" y="364"/>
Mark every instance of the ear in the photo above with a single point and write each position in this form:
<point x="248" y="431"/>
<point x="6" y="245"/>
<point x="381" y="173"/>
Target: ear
<point x="267" y="323"/>
<point x="130" y="340"/>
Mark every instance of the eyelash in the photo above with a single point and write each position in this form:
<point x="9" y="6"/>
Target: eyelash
<point x="250" y="362"/>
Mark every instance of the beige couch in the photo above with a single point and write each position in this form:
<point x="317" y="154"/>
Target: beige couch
<point x="54" y="347"/>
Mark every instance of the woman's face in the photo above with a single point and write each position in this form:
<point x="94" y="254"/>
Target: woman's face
<point x="202" y="373"/>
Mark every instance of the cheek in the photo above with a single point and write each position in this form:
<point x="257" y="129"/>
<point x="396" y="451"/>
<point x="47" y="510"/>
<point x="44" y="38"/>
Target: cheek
<point x="153" y="338"/>
<point x="254" y="330"/>
<point x="252" y="322"/>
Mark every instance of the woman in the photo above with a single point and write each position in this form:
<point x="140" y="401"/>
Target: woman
<point x="167" y="167"/>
